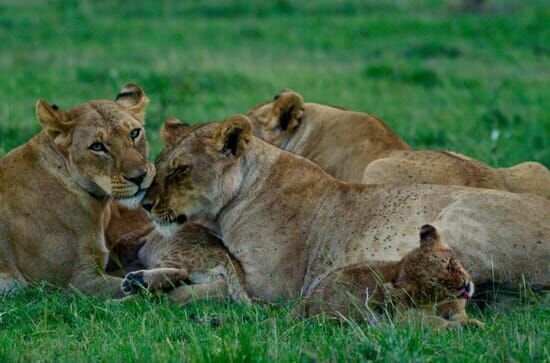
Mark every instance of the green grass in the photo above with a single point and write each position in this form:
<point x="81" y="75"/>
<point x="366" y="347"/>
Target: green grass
<point x="442" y="78"/>
<point x="46" y="325"/>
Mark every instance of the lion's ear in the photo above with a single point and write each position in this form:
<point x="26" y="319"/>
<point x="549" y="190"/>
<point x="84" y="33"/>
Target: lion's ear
<point x="234" y="135"/>
<point x="52" y="119"/>
<point x="429" y="236"/>
<point x="288" y="108"/>
<point x="173" y="131"/>
<point x="134" y="100"/>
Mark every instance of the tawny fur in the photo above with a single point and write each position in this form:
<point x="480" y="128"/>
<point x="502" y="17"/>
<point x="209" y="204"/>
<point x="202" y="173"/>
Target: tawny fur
<point x="54" y="191"/>
<point x="195" y="255"/>
<point x="125" y="229"/>
<point x="429" y="279"/>
<point x="360" y="148"/>
<point x="288" y="222"/>
<point x="447" y="168"/>
<point x="340" y="141"/>
<point x="192" y="254"/>
<point x="345" y="142"/>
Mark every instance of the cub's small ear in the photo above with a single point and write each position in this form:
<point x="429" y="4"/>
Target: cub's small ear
<point x="134" y="100"/>
<point x="52" y="119"/>
<point x="173" y="131"/>
<point x="288" y="108"/>
<point x="429" y="235"/>
<point x="234" y="135"/>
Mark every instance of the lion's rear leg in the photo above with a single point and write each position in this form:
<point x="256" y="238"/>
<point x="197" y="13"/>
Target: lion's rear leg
<point x="153" y="279"/>
<point x="235" y="288"/>
<point x="212" y="291"/>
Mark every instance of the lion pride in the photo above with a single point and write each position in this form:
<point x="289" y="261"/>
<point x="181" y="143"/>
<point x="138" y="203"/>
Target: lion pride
<point x="288" y="222"/>
<point x="54" y="191"/>
<point x="357" y="147"/>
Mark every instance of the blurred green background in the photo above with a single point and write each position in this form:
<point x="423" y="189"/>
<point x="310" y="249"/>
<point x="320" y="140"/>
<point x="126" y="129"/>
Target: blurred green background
<point x="469" y="76"/>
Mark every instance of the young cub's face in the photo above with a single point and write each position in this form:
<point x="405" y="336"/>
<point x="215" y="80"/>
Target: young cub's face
<point x="432" y="272"/>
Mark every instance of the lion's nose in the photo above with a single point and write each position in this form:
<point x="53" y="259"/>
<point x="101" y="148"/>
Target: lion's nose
<point x="138" y="178"/>
<point x="148" y="206"/>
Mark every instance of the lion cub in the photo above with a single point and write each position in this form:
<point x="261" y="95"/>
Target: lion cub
<point x="429" y="280"/>
<point x="192" y="255"/>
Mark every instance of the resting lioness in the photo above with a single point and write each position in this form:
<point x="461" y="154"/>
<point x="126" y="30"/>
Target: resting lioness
<point x="429" y="279"/>
<point x="288" y="222"/>
<point x="400" y="167"/>
<point x="340" y="141"/>
<point x="55" y="188"/>
<point x="192" y="254"/>
<point x="357" y="147"/>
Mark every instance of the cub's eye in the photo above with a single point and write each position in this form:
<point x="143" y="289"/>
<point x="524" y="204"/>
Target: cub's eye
<point x="135" y="133"/>
<point x="180" y="170"/>
<point x="98" y="147"/>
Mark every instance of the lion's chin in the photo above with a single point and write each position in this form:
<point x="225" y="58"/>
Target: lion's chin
<point x="167" y="230"/>
<point x="134" y="201"/>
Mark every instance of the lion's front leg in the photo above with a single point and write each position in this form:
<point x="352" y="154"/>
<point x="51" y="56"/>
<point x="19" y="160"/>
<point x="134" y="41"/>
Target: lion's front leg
<point x="94" y="281"/>
<point x="153" y="279"/>
<point x="455" y="311"/>
<point x="9" y="279"/>
<point x="9" y="283"/>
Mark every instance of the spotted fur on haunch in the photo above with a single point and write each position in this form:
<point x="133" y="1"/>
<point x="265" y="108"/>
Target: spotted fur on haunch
<point x="429" y="279"/>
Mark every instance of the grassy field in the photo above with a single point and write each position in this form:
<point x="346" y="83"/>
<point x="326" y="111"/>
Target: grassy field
<point x="476" y="82"/>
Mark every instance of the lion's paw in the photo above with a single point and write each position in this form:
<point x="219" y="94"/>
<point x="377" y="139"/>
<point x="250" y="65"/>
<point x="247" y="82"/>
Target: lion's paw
<point x="133" y="283"/>
<point x="476" y="324"/>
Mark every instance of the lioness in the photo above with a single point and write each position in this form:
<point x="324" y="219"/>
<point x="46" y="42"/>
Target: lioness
<point x="399" y="167"/>
<point x="288" y="222"/>
<point x="357" y="147"/>
<point x="192" y="254"/>
<point x="54" y="190"/>
<point x="342" y="142"/>
<point x="429" y="278"/>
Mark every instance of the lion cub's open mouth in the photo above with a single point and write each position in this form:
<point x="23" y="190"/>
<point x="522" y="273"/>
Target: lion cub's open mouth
<point x="181" y="219"/>
<point x="467" y="290"/>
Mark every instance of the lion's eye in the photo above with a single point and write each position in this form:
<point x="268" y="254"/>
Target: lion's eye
<point x="98" y="147"/>
<point x="135" y="133"/>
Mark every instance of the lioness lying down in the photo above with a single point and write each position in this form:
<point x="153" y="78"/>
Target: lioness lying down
<point x="55" y="188"/>
<point x="341" y="142"/>
<point x="429" y="279"/>
<point x="288" y="222"/>
<point x="357" y="147"/>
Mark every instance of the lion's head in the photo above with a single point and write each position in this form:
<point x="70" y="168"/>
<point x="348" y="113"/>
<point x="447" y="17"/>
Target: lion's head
<point x="432" y="272"/>
<point x="197" y="172"/>
<point x="276" y="121"/>
<point x="103" y="144"/>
